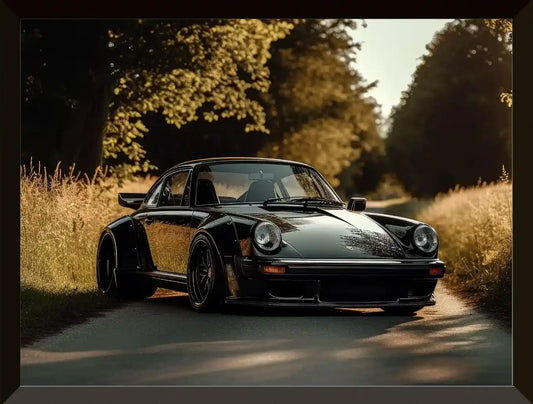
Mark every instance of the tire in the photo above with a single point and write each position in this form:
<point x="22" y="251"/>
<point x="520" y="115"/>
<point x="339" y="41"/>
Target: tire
<point x="106" y="264"/>
<point x="205" y="282"/>
<point x="402" y="311"/>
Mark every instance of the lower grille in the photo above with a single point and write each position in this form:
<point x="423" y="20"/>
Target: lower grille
<point x="359" y="290"/>
<point x="363" y="291"/>
<point x="292" y="289"/>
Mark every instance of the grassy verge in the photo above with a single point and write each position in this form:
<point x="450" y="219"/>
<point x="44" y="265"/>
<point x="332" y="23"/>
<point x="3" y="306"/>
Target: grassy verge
<point x="61" y="217"/>
<point x="475" y="230"/>
<point x="44" y="312"/>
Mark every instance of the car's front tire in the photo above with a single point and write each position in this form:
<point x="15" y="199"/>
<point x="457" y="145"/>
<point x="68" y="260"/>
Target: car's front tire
<point x="106" y="264"/>
<point x="205" y="282"/>
<point x="402" y="311"/>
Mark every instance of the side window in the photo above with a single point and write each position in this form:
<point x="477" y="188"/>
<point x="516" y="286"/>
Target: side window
<point x="174" y="189"/>
<point x="153" y="198"/>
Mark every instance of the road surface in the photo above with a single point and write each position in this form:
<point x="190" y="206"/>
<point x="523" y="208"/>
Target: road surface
<point x="160" y="341"/>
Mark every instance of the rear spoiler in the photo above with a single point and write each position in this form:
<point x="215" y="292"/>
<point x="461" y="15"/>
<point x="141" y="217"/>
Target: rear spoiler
<point x="131" y="200"/>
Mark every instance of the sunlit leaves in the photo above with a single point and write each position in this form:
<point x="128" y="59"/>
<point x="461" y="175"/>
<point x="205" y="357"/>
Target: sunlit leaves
<point x="206" y="65"/>
<point x="326" y="144"/>
<point x="507" y="98"/>
<point x="505" y="28"/>
<point x="318" y="111"/>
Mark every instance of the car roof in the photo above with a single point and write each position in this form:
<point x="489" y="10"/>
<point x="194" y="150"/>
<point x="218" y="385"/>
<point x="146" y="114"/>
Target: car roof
<point x="235" y="160"/>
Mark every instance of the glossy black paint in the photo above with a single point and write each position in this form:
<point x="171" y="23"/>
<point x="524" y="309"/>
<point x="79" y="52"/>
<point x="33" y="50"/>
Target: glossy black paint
<point x="402" y="229"/>
<point x="357" y="204"/>
<point x="130" y="200"/>
<point x="324" y="249"/>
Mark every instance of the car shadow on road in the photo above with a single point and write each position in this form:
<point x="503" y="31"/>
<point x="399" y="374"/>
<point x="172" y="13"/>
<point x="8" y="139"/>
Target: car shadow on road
<point x="181" y="303"/>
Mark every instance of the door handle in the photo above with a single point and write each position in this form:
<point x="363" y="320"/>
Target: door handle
<point x="148" y="221"/>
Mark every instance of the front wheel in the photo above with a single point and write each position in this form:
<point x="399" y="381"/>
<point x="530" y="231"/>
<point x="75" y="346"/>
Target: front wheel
<point x="402" y="311"/>
<point x="205" y="283"/>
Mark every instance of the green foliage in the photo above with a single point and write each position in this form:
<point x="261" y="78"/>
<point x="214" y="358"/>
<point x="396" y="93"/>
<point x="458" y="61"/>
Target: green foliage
<point x="212" y="66"/>
<point x="317" y="110"/>
<point x="449" y="128"/>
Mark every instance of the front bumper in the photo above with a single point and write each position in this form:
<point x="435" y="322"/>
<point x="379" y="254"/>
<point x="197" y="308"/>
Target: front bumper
<point x="338" y="283"/>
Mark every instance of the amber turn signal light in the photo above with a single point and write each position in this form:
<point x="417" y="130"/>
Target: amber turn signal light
<point x="273" y="269"/>
<point x="435" y="271"/>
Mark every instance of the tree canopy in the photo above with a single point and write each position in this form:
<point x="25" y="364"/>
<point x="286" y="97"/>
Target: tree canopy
<point x="317" y="108"/>
<point x="88" y="84"/>
<point x="504" y="28"/>
<point x="210" y="66"/>
<point x="136" y="94"/>
<point x="449" y="127"/>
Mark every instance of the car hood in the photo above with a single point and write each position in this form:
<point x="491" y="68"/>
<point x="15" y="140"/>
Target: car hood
<point x="321" y="233"/>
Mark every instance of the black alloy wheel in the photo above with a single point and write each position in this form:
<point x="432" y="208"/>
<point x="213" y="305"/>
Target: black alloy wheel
<point x="205" y="285"/>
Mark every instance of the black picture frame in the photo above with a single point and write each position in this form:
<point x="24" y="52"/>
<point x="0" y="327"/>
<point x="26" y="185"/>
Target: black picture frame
<point x="10" y="15"/>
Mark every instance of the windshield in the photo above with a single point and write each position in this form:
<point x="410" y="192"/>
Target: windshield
<point x="251" y="182"/>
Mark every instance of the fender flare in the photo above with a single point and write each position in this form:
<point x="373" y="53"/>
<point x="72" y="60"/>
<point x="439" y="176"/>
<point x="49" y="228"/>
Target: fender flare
<point x="217" y="231"/>
<point x="126" y="243"/>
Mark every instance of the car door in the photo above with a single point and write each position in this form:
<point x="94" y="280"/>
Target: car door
<point x="167" y="223"/>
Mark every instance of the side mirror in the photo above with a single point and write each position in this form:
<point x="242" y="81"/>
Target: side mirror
<point x="357" y="204"/>
<point x="130" y="200"/>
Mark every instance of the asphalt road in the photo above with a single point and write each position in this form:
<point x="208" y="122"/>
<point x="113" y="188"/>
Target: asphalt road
<point x="160" y="341"/>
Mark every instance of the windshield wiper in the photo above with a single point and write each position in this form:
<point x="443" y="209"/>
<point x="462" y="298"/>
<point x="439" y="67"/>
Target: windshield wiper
<point x="318" y="200"/>
<point x="267" y="201"/>
<point x="306" y="201"/>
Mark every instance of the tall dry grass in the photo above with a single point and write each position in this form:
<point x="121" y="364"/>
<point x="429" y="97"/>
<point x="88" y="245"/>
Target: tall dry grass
<point x="61" y="217"/>
<point x="475" y="231"/>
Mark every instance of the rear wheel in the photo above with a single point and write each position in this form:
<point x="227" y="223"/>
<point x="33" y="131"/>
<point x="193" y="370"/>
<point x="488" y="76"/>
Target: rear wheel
<point x="402" y="311"/>
<point x="205" y="283"/>
<point x="106" y="264"/>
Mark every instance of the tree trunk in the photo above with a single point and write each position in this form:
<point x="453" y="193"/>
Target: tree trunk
<point x="82" y="135"/>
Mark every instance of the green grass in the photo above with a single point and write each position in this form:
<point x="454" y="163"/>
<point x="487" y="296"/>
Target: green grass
<point x="61" y="217"/>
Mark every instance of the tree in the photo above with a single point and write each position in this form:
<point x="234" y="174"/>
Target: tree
<point x="65" y="91"/>
<point x="449" y="128"/>
<point x="317" y="111"/>
<point x="214" y="67"/>
<point x="504" y="28"/>
<point x="88" y="84"/>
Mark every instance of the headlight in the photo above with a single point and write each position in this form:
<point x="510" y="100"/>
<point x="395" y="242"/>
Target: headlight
<point x="267" y="236"/>
<point x="425" y="238"/>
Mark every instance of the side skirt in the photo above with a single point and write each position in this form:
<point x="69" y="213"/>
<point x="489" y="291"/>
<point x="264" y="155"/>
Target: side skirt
<point x="166" y="280"/>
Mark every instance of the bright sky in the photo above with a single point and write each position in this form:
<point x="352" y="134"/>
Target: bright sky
<point x="390" y="52"/>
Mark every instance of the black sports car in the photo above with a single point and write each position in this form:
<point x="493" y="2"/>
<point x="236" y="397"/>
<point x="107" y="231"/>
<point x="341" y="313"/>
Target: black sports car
<point x="265" y="232"/>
